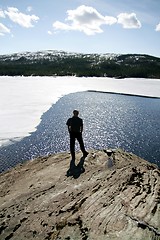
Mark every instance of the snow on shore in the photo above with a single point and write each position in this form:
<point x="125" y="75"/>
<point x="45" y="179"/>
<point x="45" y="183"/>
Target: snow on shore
<point x="23" y="100"/>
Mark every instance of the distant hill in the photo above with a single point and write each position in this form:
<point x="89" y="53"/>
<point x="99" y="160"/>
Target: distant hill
<point x="60" y="63"/>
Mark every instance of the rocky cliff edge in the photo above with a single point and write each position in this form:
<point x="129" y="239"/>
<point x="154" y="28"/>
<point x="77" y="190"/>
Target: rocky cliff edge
<point x="106" y="197"/>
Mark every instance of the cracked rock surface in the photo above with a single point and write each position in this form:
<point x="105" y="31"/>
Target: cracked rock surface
<point x="115" y="197"/>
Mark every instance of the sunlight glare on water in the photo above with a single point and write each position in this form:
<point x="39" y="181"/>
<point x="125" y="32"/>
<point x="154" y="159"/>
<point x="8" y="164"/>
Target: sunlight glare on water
<point x="110" y="121"/>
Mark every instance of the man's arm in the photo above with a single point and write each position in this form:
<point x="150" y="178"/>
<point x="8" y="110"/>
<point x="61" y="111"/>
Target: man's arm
<point x="68" y="123"/>
<point x="69" y="128"/>
<point x="81" y="127"/>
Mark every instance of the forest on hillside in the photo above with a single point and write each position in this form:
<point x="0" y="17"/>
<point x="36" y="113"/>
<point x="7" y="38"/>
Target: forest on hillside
<point x="123" y="66"/>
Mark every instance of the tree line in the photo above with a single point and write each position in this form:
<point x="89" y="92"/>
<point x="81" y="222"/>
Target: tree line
<point x="124" y="66"/>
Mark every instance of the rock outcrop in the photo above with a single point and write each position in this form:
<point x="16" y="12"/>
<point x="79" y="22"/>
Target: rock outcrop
<point x="115" y="197"/>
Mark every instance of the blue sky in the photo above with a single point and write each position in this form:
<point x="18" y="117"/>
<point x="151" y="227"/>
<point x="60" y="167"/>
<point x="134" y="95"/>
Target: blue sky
<point x="90" y="26"/>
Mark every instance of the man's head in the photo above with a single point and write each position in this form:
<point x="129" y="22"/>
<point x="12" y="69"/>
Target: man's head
<point x="75" y="113"/>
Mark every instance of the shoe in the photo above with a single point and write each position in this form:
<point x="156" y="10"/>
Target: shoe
<point x="69" y="173"/>
<point x="82" y="169"/>
<point x="85" y="154"/>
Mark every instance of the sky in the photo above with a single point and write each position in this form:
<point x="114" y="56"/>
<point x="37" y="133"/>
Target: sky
<point x="82" y="26"/>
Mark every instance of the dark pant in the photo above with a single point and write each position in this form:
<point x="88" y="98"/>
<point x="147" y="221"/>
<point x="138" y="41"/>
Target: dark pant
<point x="73" y="137"/>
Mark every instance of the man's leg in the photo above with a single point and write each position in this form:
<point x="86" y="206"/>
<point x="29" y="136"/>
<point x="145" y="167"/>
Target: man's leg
<point x="72" y="151"/>
<point x="81" y="143"/>
<point x="72" y="145"/>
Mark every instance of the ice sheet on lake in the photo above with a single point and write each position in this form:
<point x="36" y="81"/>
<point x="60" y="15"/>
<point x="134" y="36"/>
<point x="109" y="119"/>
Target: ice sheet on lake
<point x="23" y="100"/>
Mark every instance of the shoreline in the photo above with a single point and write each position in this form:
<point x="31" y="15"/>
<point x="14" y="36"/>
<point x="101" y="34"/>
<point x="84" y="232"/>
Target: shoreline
<point x="131" y="136"/>
<point x="125" y="94"/>
<point x="16" y="108"/>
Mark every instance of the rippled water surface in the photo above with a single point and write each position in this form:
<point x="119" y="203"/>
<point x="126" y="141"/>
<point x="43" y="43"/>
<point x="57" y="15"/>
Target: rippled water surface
<point x="110" y="120"/>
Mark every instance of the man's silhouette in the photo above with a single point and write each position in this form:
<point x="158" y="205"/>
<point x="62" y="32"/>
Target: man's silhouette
<point x="75" y="128"/>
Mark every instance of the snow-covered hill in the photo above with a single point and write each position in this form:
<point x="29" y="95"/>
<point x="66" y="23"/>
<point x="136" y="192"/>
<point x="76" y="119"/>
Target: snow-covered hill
<point x="53" y="55"/>
<point x="52" y="62"/>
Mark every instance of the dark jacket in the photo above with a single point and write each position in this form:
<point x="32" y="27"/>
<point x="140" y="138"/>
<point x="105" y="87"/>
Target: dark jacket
<point x="75" y="124"/>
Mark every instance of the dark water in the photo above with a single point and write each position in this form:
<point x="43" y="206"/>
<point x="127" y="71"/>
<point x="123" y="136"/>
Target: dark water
<point x="110" y="121"/>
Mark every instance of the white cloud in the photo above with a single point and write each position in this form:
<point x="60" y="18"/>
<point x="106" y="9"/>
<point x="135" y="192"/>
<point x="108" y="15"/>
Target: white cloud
<point x="29" y="8"/>
<point x="62" y="26"/>
<point x="3" y="29"/>
<point x="2" y="14"/>
<point x="22" y="19"/>
<point x="49" y="32"/>
<point x="158" y="28"/>
<point x="129" y="20"/>
<point x="85" y="19"/>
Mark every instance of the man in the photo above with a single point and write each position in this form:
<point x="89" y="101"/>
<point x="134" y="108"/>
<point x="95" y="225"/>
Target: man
<point x="75" y="128"/>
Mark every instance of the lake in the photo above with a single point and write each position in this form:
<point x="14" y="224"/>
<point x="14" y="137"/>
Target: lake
<point x="110" y="121"/>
